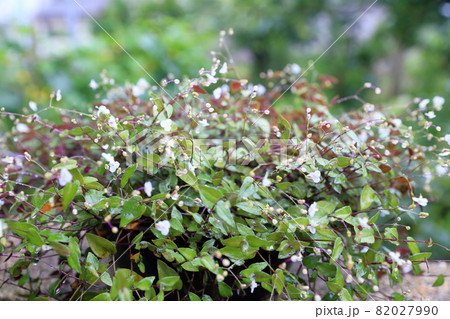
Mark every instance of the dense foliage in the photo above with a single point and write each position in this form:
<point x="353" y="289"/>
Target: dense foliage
<point x="207" y="193"/>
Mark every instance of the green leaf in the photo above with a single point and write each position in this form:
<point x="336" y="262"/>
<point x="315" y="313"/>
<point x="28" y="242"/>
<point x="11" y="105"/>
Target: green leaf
<point x="337" y="283"/>
<point x="193" y="297"/>
<point x="75" y="254"/>
<point x="345" y="295"/>
<point x="224" y="213"/>
<point x="27" y="231"/>
<point x="78" y="131"/>
<point x="209" y="195"/>
<point x="102" y="297"/>
<point x="343" y="161"/>
<point x="124" y="134"/>
<point x="189" y="178"/>
<point x="391" y="233"/>
<point x="311" y="261"/>
<point x="159" y="104"/>
<point x="145" y="283"/>
<point x="420" y="257"/>
<point x="188" y="253"/>
<point x="106" y="279"/>
<point x="257" y="242"/>
<point x="225" y="290"/>
<point x="278" y="280"/>
<point x="368" y="195"/>
<point x="126" y="176"/>
<point x="287" y="126"/>
<point x="217" y="178"/>
<point x="100" y="246"/>
<point x="250" y="208"/>
<point x="365" y="236"/>
<point x="60" y="249"/>
<point x="189" y="266"/>
<point x="168" y="278"/>
<point x="343" y="212"/>
<point x="413" y="247"/>
<point x="325" y="208"/>
<point x="209" y="263"/>
<point x="169" y="110"/>
<point x="247" y="188"/>
<point x="439" y="281"/>
<point x="337" y="250"/>
<point x="374" y="218"/>
<point x="130" y="211"/>
<point x="69" y="192"/>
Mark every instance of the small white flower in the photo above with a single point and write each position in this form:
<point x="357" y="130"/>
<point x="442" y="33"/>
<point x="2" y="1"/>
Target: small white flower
<point x="211" y="79"/>
<point x="430" y="115"/>
<point x="363" y="222"/>
<point x="314" y="176"/>
<point x="93" y="85"/>
<point x="108" y="157"/>
<point x="397" y="122"/>
<point x="312" y="226"/>
<point x="148" y="188"/>
<point x="423" y="104"/>
<point x="137" y="91"/>
<point x="295" y="68"/>
<point x="407" y="267"/>
<point x="224" y="68"/>
<point x="143" y="83"/>
<point x="103" y="110"/>
<point x="447" y="138"/>
<point x="33" y="106"/>
<point x="22" y="128"/>
<point x="365" y="249"/>
<point x="317" y="298"/>
<point x="191" y="167"/>
<point x="113" y="166"/>
<point x="217" y="93"/>
<point x="140" y="87"/>
<point x="203" y="122"/>
<point x="312" y="210"/>
<point x="2" y="202"/>
<point x="163" y="226"/>
<point x="438" y="101"/>
<point x="260" y="89"/>
<point x="420" y="200"/>
<point x="368" y="107"/>
<point x="445" y="152"/>
<point x="441" y="170"/>
<point x="253" y="285"/>
<point x="112" y="122"/>
<point x="64" y="177"/>
<point x="266" y="182"/>
<point x="166" y="125"/>
<point x="395" y="256"/>
<point x="58" y="95"/>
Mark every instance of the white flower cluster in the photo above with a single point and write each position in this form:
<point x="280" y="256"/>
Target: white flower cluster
<point x="103" y="110"/>
<point x="141" y="86"/>
<point x="113" y="165"/>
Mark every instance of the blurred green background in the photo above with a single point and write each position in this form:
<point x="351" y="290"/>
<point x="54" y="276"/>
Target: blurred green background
<point x="401" y="46"/>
